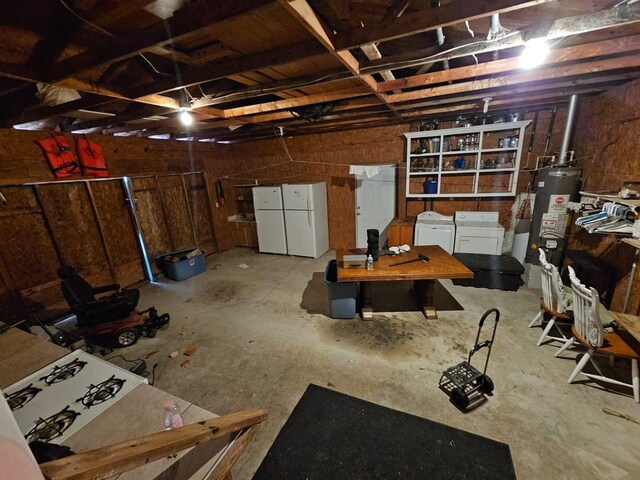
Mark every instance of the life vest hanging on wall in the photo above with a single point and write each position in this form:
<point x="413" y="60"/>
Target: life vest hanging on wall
<point x="91" y="158"/>
<point x="59" y="156"/>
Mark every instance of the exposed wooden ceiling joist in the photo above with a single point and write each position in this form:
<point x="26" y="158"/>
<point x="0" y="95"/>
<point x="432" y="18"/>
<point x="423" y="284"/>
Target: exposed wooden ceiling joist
<point x="302" y="11"/>
<point x="247" y="63"/>
<point x="185" y="23"/>
<point x="559" y="28"/>
<point x="428" y="19"/>
<point x="579" y="52"/>
<point x="631" y="61"/>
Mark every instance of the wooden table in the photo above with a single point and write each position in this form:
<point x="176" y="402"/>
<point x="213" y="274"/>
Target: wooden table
<point x="441" y="265"/>
<point x="631" y="323"/>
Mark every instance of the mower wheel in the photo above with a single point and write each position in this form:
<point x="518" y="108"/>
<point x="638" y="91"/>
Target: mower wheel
<point x="150" y="332"/>
<point x="127" y="337"/>
<point x="459" y="398"/>
<point x="486" y="384"/>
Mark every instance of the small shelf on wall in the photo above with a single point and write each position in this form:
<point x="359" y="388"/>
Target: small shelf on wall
<point x="470" y="172"/>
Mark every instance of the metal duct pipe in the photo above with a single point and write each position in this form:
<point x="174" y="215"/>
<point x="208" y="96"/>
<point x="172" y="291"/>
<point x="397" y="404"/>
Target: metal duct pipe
<point x="495" y="23"/>
<point x="440" y="37"/>
<point x="495" y="31"/>
<point x="568" y="130"/>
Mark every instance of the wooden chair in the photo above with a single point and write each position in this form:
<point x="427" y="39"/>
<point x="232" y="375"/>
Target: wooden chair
<point x="589" y="332"/>
<point x="555" y="301"/>
<point x="112" y="460"/>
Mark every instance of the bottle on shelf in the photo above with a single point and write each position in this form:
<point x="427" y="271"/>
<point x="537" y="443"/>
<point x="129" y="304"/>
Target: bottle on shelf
<point x="369" y="262"/>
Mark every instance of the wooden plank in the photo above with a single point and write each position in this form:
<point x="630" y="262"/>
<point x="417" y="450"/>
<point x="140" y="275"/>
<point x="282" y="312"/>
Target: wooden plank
<point x="163" y="212"/>
<point x="101" y="233"/>
<point x="428" y="20"/>
<point x="68" y="209"/>
<point x="257" y="90"/>
<point x="295" y="102"/>
<point x="223" y="468"/>
<point x="175" y="210"/>
<point x="247" y="63"/>
<point x="121" y="457"/>
<point x="579" y="52"/>
<point x="47" y="224"/>
<point x="584" y="68"/>
<point x="185" y="23"/>
<point x="189" y="211"/>
<point x="305" y="14"/>
<point x="152" y="223"/>
<point x="560" y="28"/>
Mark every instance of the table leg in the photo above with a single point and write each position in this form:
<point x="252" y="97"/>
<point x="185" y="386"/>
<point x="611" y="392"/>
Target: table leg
<point x="365" y="301"/>
<point x="423" y="290"/>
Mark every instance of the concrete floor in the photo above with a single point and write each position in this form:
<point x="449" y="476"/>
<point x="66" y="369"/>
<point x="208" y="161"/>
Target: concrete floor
<point x="263" y="335"/>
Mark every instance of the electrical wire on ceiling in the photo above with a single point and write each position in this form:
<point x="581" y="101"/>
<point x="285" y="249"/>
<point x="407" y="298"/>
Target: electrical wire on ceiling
<point x="106" y="32"/>
<point x="438" y="56"/>
<point x="265" y="91"/>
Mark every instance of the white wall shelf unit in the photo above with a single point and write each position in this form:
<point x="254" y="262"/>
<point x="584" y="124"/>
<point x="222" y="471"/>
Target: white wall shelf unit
<point x="463" y="162"/>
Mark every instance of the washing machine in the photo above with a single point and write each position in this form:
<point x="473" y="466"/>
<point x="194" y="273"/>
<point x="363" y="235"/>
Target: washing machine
<point x="478" y="232"/>
<point x="435" y="229"/>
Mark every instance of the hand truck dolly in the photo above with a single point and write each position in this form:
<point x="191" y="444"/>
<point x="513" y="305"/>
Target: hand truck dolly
<point x="463" y="381"/>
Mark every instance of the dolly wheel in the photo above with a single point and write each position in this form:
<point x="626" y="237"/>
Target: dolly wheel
<point x="127" y="337"/>
<point x="459" y="398"/>
<point x="486" y="384"/>
<point x="151" y="332"/>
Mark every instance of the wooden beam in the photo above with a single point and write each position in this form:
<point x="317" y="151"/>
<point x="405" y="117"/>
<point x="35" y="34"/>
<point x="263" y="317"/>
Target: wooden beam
<point x="247" y="63"/>
<point x="185" y="23"/>
<point x="121" y="457"/>
<point x="295" y="102"/>
<point x="258" y="90"/>
<point x="427" y="20"/>
<point x="523" y="90"/>
<point x="579" y="52"/>
<point x="631" y="61"/>
<point x="302" y="11"/>
<point x="560" y="28"/>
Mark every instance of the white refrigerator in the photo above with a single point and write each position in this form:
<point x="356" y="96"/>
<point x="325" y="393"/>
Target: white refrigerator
<point x="268" y="205"/>
<point x="306" y="219"/>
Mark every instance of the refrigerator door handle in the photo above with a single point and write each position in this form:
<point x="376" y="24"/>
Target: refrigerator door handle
<point x="309" y="217"/>
<point x="308" y="201"/>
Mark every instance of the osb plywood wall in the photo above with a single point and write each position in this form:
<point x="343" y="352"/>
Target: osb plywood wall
<point x="326" y="157"/>
<point x="89" y="224"/>
<point x="607" y="148"/>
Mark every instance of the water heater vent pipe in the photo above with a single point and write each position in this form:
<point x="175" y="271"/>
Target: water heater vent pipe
<point x="568" y="130"/>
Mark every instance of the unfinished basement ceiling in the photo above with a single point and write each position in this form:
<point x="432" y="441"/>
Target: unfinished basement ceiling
<point x="246" y="68"/>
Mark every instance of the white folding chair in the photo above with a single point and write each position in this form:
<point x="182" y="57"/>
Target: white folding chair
<point x="554" y="301"/>
<point x="588" y="331"/>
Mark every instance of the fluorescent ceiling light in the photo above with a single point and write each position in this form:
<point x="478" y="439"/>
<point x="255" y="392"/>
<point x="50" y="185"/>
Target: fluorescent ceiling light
<point x="534" y="53"/>
<point x="185" y="139"/>
<point x="160" y="136"/>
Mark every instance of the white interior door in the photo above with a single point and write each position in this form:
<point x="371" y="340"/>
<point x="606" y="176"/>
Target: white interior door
<point x="375" y="203"/>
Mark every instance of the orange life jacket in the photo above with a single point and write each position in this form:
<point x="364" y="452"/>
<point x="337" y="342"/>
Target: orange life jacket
<point x="91" y="158"/>
<point x="59" y="155"/>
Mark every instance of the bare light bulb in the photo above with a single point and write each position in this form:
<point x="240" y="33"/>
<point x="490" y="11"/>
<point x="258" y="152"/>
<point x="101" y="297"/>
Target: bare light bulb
<point x="186" y="118"/>
<point x="534" y="53"/>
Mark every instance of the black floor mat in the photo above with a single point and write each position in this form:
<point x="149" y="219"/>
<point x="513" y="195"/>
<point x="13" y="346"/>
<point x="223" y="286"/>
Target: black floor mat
<point x="333" y="436"/>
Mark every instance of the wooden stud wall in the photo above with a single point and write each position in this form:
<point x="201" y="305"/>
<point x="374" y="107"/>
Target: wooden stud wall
<point x="606" y="145"/>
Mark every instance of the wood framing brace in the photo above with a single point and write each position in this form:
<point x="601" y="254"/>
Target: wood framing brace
<point x="121" y="457"/>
